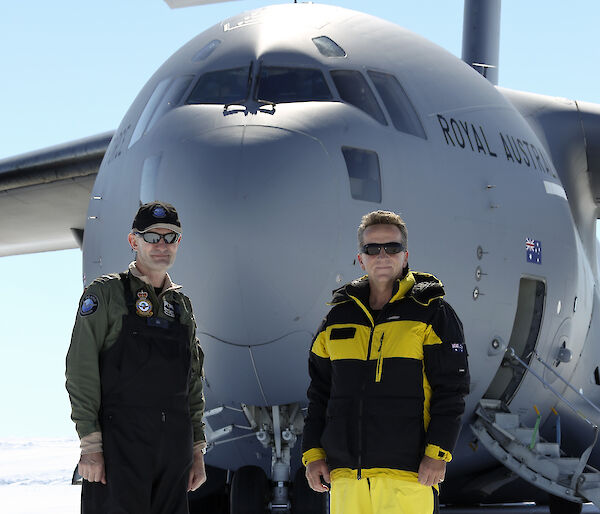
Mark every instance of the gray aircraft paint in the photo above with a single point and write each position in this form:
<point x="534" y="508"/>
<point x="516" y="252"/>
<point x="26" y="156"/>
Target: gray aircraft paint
<point x="269" y="222"/>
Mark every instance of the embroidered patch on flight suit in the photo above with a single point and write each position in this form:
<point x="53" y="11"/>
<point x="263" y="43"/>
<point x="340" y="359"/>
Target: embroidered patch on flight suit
<point x="168" y="308"/>
<point x="143" y="306"/>
<point x="88" y="305"/>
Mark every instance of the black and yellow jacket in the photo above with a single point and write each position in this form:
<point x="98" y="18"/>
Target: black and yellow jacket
<point x="386" y="391"/>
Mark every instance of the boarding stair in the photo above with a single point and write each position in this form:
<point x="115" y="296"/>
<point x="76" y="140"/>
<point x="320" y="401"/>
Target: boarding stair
<point x="541" y="463"/>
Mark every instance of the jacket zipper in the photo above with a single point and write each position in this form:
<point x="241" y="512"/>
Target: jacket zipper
<point x="360" y="409"/>
<point x="379" y="371"/>
<point x="360" y="413"/>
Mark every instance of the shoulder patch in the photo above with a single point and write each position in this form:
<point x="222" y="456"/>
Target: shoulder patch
<point x="89" y="305"/>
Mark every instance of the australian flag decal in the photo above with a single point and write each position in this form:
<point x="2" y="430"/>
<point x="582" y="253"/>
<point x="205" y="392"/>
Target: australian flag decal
<point x="534" y="251"/>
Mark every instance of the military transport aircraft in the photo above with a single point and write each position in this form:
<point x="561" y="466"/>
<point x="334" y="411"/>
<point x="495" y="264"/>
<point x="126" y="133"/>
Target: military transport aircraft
<point x="272" y="132"/>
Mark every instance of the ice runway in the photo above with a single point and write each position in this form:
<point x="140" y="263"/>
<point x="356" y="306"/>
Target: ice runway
<point x="35" y="477"/>
<point x="512" y="509"/>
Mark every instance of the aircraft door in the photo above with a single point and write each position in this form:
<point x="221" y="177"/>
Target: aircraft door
<point x="523" y="339"/>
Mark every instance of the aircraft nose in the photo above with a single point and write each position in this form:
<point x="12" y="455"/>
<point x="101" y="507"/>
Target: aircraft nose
<point x="259" y="216"/>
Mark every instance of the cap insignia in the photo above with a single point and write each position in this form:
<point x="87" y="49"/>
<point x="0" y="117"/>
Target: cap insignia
<point x="159" y="212"/>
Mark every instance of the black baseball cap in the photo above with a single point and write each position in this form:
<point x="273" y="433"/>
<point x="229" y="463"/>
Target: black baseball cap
<point x="156" y="215"/>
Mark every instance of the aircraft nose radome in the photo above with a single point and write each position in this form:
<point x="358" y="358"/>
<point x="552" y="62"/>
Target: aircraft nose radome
<point x="260" y="230"/>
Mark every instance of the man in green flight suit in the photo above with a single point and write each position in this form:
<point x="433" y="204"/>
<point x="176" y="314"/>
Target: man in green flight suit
<point x="133" y="373"/>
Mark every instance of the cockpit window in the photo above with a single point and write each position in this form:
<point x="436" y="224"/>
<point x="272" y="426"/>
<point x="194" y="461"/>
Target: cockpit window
<point x="280" y="85"/>
<point x="355" y="90"/>
<point x="403" y="114"/>
<point x="221" y="87"/>
<point x="363" y="172"/>
<point x="167" y="95"/>
<point x="328" y="47"/>
<point x="206" y="50"/>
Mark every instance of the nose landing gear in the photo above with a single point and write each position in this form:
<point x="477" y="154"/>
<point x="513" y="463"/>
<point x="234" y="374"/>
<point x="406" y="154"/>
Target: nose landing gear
<point x="277" y="428"/>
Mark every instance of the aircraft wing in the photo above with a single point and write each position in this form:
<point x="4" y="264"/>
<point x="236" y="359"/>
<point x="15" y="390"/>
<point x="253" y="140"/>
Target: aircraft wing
<point x="44" y="195"/>
<point x="571" y="131"/>
<point x="590" y="122"/>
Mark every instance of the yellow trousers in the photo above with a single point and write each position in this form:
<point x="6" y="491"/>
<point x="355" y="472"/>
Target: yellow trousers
<point x="382" y="495"/>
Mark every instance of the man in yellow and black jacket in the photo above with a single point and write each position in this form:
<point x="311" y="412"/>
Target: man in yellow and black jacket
<point x="389" y="373"/>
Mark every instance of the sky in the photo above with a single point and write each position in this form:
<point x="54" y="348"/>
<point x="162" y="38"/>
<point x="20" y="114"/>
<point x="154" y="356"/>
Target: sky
<point x="70" y="69"/>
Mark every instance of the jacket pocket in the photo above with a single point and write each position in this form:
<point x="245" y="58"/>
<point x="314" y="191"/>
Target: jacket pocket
<point x="446" y="364"/>
<point x="342" y="333"/>
<point x="339" y="439"/>
<point x="454" y="359"/>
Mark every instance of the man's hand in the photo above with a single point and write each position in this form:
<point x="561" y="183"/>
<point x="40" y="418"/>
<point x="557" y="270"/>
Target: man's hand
<point x="197" y="473"/>
<point x="431" y="471"/>
<point x="314" y="471"/>
<point x="91" y="467"/>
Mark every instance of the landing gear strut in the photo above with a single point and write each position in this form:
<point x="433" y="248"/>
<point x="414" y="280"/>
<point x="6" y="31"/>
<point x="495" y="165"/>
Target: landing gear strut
<point x="276" y="428"/>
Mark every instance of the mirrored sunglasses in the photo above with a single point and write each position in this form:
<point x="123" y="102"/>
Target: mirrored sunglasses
<point x="154" y="237"/>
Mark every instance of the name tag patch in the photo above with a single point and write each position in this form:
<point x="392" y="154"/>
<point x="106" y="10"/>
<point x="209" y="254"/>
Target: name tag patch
<point x="169" y="309"/>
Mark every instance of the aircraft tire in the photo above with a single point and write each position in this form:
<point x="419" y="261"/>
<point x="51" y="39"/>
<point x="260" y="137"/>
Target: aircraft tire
<point x="304" y="499"/>
<point x="559" y="505"/>
<point x="249" y="491"/>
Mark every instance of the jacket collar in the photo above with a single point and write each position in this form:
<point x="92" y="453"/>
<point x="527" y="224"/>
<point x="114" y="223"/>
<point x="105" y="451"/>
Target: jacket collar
<point x="421" y="287"/>
<point x="168" y="285"/>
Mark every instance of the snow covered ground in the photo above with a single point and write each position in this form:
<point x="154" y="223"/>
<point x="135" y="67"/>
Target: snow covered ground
<point x="35" y="476"/>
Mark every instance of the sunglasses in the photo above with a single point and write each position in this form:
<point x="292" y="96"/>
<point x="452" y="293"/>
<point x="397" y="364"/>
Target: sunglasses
<point x="154" y="237"/>
<point x="375" y="248"/>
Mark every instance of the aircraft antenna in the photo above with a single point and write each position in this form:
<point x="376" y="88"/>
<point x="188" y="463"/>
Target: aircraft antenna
<point x="481" y="37"/>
